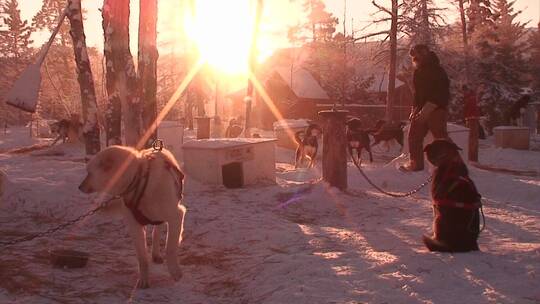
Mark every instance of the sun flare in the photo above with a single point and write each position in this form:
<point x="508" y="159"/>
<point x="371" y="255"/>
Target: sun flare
<point x="222" y="33"/>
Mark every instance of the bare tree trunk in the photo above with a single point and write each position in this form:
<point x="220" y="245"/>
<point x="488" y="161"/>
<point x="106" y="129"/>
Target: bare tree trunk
<point x="463" y="25"/>
<point x="116" y="19"/>
<point x="113" y="114"/>
<point x="86" y="81"/>
<point x="465" y="37"/>
<point x="147" y="67"/>
<point x="426" y="31"/>
<point x="391" y="91"/>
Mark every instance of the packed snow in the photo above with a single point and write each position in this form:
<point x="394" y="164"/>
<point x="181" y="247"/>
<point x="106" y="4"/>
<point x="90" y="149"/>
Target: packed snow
<point x="297" y="241"/>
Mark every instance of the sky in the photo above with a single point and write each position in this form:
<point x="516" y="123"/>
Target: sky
<point x="279" y="14"/>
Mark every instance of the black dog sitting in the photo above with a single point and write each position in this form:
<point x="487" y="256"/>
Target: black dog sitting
<point x="358" y="139"/>
<point x="456" y="202"/>
<point x="308" y="145"/>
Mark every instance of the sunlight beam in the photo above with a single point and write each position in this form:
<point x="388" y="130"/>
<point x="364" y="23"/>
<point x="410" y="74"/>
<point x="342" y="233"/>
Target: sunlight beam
<point x="270" y="103"/>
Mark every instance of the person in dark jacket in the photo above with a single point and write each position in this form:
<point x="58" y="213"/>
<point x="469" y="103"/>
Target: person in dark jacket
<point x="456" y="201"/>
<point x="431" y="97"/>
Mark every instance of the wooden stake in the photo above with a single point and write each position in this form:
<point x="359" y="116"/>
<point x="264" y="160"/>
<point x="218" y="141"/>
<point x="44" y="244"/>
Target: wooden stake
<point x="334" y="149"/>
<point x="473" y="125"/>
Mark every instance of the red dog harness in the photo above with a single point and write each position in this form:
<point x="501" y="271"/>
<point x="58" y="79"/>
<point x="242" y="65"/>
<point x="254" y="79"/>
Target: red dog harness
<point x="454" y="204"/>
<point x="447" y="202"/>
<point x="138" y="186"/>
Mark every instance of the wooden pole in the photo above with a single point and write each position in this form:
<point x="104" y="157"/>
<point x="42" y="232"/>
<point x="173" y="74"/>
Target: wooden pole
<point x="334" y="149"/>
<point x="473" y="125"/>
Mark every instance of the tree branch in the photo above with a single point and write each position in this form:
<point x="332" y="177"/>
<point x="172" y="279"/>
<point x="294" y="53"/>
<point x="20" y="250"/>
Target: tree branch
<point x="384" y="9"/>
<point x="371" y="35"/>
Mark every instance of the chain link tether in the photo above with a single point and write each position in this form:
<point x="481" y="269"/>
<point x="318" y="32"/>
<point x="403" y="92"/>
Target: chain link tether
<point x="50" y="231"/>
<point x="392" y="194"/>
<point x="157" y="145"/>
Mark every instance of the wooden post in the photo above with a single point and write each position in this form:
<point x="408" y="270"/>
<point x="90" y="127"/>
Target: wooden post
<point x="334" y="149"/>
<point x="203" y="127"/>
<point x="474" y="132"/>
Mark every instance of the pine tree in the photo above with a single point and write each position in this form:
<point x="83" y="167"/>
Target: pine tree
<point x="47" y="19"/>
<point x="534" y="61"/>
<point x="421" y="21"/>
<point x="322" y="23"/>
<point x="15" y="41"/>
<point x="60" y="66"/>
<point x="500" y="65"/>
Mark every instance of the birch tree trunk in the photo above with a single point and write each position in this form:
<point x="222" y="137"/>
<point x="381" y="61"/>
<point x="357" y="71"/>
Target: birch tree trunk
<point x="113" y="113"/>
<point x="86" y="81"/>
<point x="391" y="91"/>
<point x="147" y="67"/>
<point x="120" y="63"/>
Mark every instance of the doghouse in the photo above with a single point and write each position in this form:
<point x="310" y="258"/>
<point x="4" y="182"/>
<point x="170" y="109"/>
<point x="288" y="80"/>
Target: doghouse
<point x="232" y="162"/>
<point x="512" y="137"/>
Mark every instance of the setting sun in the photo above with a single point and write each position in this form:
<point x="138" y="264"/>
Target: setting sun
<point x="222" y="33"/>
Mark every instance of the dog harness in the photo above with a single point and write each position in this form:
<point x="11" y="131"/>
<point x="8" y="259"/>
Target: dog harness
<point x="457" y="182"/>
<point x="454" y="204"/>
<point x="137" y="187"/>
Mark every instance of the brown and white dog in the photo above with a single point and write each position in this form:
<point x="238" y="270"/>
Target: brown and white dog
<point x="307" y="145"/>
<point x="150" y="184"/>
<point x="63" y="128"/>
<point x="234" y="129"/>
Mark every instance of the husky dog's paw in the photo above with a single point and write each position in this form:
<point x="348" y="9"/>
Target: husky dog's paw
<point x="157" y="259"/>
<point x="142" y="283"/>
<point x="176" y="273"/>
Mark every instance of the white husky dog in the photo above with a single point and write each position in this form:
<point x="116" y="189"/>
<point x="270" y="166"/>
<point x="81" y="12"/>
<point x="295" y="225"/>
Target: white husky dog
<point x="150" y="184"/>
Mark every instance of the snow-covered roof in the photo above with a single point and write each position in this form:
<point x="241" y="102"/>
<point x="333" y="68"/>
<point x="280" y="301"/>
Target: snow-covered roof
<point x="290" y="123"/>
<point x="219" y="143"/>
<point x="303" y="84"/>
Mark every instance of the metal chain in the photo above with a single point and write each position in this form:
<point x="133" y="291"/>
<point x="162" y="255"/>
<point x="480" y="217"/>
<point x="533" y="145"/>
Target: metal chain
<point x="392" y="194"/>
<point x="50" y="231"/>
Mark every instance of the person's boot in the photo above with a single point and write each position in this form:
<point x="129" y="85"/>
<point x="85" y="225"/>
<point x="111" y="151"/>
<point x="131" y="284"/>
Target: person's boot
<point x="434" y="245"/>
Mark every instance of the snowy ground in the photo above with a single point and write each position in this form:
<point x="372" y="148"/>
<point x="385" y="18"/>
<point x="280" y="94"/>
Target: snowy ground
<point x="294" y="242"/>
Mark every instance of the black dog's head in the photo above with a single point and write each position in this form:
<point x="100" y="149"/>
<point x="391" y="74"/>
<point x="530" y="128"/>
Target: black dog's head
<point x="354" y="124"/>
<point x="441" y="151"/>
